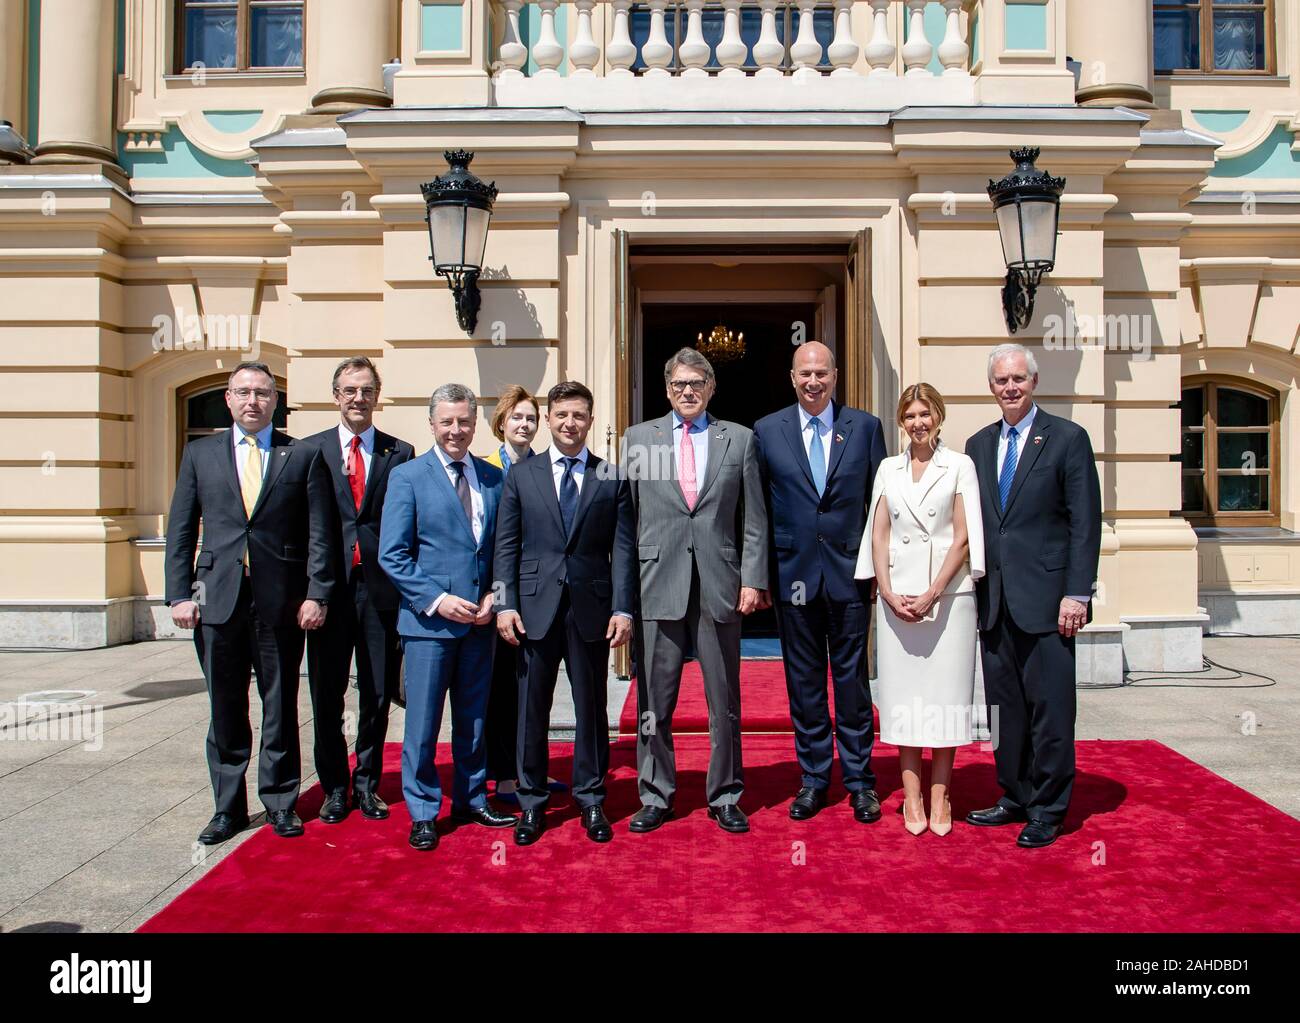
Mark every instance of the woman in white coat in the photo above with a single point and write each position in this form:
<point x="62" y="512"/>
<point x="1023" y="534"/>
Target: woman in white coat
<point x="924" y="544"/>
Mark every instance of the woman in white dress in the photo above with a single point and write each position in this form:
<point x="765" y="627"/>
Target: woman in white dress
<point x="924" y="544"/>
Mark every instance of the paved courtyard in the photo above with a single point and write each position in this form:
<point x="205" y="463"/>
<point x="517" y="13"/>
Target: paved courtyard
<point x="99" y="809"/>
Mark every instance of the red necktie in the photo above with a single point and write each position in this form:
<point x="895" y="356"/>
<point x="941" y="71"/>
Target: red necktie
<point x="357" y="481"/>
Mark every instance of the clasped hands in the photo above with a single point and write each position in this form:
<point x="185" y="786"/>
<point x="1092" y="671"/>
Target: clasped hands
<point x="910" y="608"/>
<point x="458" y="609"/>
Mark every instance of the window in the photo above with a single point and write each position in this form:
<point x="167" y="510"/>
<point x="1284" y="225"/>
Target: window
<point x="201" y="410"/>
<point x="1230" y="441"/>
<point x="1213" y="36"/>
<point x="239" y="35"/>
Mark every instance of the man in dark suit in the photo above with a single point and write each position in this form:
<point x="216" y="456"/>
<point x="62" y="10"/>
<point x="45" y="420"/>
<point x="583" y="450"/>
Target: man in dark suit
<point x="819" y="462"/>
<point x="435" y="543"/>
<point x="363" y="611"/>
<point x="566" y="568"/>
<point x="1041" y="503"/>
<point x="262" y="576"/>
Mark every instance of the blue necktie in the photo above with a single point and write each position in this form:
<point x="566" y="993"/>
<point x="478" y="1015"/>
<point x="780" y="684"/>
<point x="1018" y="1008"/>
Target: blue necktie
<point x="568" y="495"/>
<point x="1008" y="473"/>
<point x="817" y="457"/>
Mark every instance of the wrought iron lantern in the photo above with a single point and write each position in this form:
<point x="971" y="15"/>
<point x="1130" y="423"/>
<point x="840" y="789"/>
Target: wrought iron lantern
<point x="458" y="207"/>
<point x="1027" y="203"/>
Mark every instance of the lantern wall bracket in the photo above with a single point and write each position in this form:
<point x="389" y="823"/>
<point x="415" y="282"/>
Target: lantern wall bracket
<point x="464" y="289"/>
<point x="1018" y="296"/>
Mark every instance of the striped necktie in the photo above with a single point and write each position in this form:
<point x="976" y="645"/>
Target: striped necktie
<point x="1008" y="473"/>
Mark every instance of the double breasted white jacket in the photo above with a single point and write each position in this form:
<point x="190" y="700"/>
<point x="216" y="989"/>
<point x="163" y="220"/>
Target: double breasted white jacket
<point x="920" y="521"/>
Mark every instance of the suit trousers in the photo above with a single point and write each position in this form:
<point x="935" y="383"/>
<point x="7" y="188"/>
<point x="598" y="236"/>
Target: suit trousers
<point x="229" y="653"/>
<point x="461" y="666"/>
<point x="502" y="725"/>
<point x="1029" y="689"/>
<point x="810" y="633"/>
<point x="353" y="623"/>
<point x="661" y="652"/>
<point x="587" y="665"/>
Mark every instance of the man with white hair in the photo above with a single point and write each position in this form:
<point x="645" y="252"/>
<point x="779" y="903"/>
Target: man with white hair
<point x="1041" y="504"/>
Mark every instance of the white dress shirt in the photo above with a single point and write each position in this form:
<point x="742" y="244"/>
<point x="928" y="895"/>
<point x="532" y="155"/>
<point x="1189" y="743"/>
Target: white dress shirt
<point x="476" y="502"/>
<point x="824" y="425"/>
<point x="699" y="441"/>
<point x="237" y="435"/>
<point x="557" y="467"/>
<point x="1023" y="429"/>
<point x="367" y="447"/>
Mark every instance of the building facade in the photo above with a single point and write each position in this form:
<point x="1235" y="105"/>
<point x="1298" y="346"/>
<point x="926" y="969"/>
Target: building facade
<point x="187" y="183"/>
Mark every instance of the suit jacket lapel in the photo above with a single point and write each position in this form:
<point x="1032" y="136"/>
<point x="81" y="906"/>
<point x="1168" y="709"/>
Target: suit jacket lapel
<point x="792" y="429"/>
<point x="842" y="427"/>
<point x="986" y="466"/>
<point x="664" y="436"/>
<point x="540" y="470"/>
<point x="905" y="489"/>
<point x="1034" y="444"/>
<point x="491" y="498"/>
<point x="281" y="445"/>
<point x="231" y="465"/>
<point x="379" y="458"/>
<point x="442" y="481"/>
<point x="590" y="483"/>
<point x="718" y="442"/>
<point x="336" y="462"/>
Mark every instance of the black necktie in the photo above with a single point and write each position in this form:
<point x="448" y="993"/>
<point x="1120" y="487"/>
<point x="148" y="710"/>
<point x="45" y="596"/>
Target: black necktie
<point x="568" y="495"/>
<point x="462" y="491"/>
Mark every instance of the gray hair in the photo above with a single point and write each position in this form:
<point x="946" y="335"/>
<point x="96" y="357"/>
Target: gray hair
<point x="454" y="394"/>
<point x="688" y="357"/>
<point x="1004" y="350"/>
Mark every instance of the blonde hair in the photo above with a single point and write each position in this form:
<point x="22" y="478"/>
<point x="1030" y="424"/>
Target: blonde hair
<point x="511" y="397"/>
<point x="929" y="397"/>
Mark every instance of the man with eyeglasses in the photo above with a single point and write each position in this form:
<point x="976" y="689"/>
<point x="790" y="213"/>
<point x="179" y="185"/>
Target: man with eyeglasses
<point x="363" y="612"/>
<point x="263" y="575"/>
<point x="702" y="551"/>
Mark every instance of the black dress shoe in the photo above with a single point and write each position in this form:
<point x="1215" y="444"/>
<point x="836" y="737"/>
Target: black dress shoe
<point x="423" y="836"/>
<point x="596" y="823"/>
<point x="866" y="806"/>
<point x="484" y="815"/>
<point x="371" y="806"/>
<point x="285" y="823"/>
<point x="730" y="817"/>
<point x="807" y="803"/>
<point x="223" y="826"/>
<point x="995" y="816"/>
<point x="335" y="808"/>
<point x="530" y="826"/>
<point x="648" y="818"/>
<point x="1038" y="834"/>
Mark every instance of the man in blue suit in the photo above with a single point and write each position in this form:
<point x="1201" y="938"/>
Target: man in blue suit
<point x="819" y="462"/>
<point x="435" y="543"/>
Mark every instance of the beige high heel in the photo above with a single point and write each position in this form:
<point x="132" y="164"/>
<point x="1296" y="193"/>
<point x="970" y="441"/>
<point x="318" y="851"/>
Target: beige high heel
<point x="941" y="827"/>
<point x="916" y="827"/>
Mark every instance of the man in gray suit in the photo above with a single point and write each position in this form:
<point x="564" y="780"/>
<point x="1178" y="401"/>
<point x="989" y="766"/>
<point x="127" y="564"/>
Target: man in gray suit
<point x="695" y="483"/>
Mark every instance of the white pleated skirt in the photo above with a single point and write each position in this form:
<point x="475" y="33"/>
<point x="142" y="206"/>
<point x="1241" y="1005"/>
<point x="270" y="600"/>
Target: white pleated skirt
<point x="927" y="674"/>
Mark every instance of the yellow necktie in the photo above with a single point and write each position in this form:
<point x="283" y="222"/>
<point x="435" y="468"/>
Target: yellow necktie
<point x="251" y="485"/>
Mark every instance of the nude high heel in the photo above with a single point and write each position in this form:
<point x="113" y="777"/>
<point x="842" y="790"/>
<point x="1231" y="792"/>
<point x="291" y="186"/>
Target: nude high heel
<point x="941" y="827"/>
<point x="916" y="827"/>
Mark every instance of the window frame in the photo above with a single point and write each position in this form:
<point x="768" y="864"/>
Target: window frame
<point x="1207" y="67"/>
<point x="1209" y="429"/>
<point x="243" y="40"/>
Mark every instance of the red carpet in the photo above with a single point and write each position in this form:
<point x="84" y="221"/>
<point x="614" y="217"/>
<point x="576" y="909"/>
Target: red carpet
<point x="764" y="703"/>
<point x="1154" y="842"/>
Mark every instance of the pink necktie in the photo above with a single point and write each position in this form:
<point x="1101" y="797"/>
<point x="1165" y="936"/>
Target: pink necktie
<point x="686" y="467"/>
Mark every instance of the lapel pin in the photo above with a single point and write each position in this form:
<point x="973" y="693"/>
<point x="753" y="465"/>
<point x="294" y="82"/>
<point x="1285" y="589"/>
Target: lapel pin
<point x="1038" y="439"/>
<point x="839" y="438"/>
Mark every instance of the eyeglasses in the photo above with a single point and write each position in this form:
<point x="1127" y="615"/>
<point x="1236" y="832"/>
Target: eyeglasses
<point x="679" y="386"/>
<point x="244" y="393"/>
<point x="353" y="392"/>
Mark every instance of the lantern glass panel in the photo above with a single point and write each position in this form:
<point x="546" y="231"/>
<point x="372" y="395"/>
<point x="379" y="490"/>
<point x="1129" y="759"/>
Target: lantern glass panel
<point x="447" y="235"/>
<point x="1039" y="219"/>
<point x="476" y="230"/>
<point x="1009" y="228"/>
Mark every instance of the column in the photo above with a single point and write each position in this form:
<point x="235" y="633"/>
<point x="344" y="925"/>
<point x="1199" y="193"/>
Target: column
<point x="76" y="82"/>
<point x="1111" y="39"/>
<point x="353" y="41"/>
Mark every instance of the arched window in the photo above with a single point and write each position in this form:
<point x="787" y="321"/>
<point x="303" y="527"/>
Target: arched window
<point x="1230" y="442"/>
<point x="201" y="410"/>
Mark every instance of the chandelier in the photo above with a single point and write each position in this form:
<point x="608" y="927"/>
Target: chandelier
<point x="721" y="345"/>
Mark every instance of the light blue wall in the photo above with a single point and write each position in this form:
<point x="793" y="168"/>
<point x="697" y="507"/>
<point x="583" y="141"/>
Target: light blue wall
<point x="232" y="122"/>
<point x="33" y="70"/>
<point x="178" y="159"/>
<point x="935" y="24"/>
<point x="440" y="27"/>
<point x="1221" y="122"/>
<point x="530" y="30"/>
<point x="1026" y="26"/>
<point x="1272" y="158"/>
